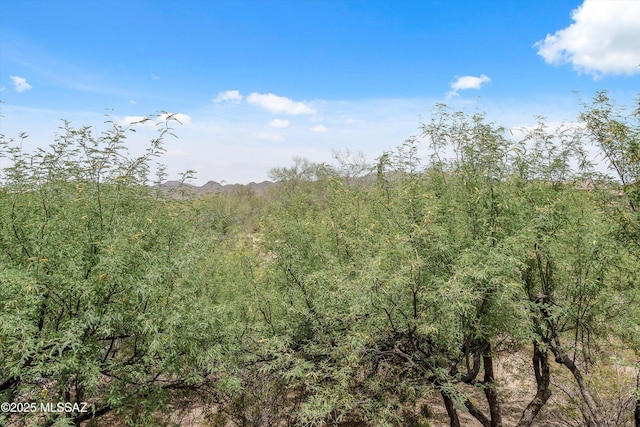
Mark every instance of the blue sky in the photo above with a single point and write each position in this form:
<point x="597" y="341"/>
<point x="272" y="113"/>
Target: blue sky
<point x="258" y="82"/>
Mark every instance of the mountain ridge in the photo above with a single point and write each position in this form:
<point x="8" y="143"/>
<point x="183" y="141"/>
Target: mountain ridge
<point x="213" y="187"/>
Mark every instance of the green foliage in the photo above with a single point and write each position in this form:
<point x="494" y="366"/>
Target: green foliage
<point x="389" y="291"/>
<point x="98" y="294"/>
<point x="348" y="295"/>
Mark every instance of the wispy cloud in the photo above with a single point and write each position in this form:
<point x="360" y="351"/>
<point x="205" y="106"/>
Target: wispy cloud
<point x="602" y="40"/>
<point x="279" y="104"/>
<point x="155" y="77"/>
<point x="236" y="144"/>
<point x="279" y="123"/>
<point x="52" y="71"/>
<point x="228" y="96"/>
<point x="20" y="84"/>
<point x="467" y="82"/>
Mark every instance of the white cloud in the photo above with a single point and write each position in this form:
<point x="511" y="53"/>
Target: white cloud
<point x="236" y="145"/>
<point x="604" y="39"/>
<point x="319" y="128"/>
<point x="132" y="102"/>
<point x="279" y="123"/>
<point x="155" y="77"/>
<point x="228" y="96"/>
<point x="20" y="84"/>
<point x="279" y="104"/>
<point x="467" y="82"/>
<point x="2" y="88"/>
<point x="349" y="121"/>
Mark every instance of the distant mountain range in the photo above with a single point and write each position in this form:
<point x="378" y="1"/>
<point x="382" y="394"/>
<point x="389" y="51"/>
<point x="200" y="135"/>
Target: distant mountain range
<point x="213" y="187"/>
<point x="179" y="189"/>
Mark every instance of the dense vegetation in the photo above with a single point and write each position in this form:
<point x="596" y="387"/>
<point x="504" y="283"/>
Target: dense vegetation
<point x="351" y="294"/>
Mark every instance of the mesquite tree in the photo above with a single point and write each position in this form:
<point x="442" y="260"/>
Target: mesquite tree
<point x="98" y="297"/>
<point x="379" y="294"/>
<point x="616" y="132"/>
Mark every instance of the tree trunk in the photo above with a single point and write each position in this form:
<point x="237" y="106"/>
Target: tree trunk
<point x="451" y="410"/>
<point x="636" y="413"/>
<point x="543" y="377"/>
<point x="490" y="389"/>
<point x="477" y="414"/>
<point x="594" y="415"/>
